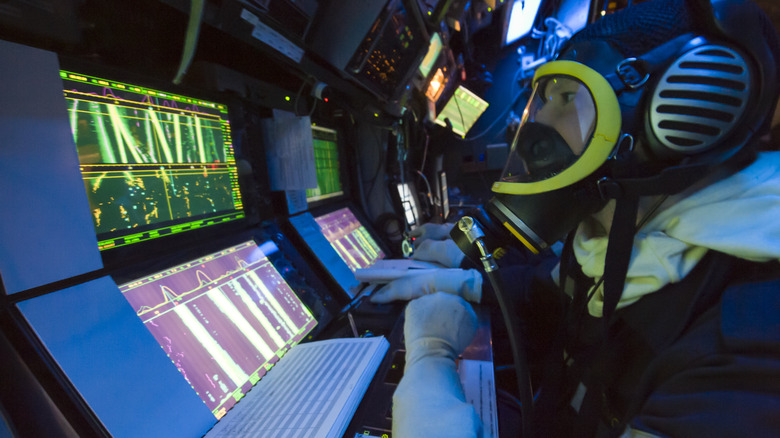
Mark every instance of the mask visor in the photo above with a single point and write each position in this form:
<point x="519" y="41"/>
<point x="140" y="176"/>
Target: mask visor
<point x="555" y="130"/>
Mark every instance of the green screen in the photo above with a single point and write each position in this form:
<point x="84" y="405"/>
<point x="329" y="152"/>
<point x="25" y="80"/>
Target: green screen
<point x="153" y="163"/>
<point x="326" y="157"/>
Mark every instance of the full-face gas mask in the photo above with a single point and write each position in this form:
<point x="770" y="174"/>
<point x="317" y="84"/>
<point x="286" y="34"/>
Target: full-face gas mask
<point x="693" y="92"/>
<point x="646" y="101"/>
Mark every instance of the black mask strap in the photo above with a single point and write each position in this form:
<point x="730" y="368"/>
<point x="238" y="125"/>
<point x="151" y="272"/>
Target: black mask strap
<point x="621" y="239"/>
<point x="619" y="246"/>
<point x="627" y="191"/>
<point x="633" y="73"/>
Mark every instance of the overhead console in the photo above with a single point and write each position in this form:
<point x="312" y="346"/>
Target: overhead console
<point x="378" y="43"/>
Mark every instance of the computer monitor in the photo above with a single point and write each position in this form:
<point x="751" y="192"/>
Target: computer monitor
<point x="167" y="353"/>
<point x="519" y="19"/>
<point x="409" y="203"/>
<point x="153" y="163"/>
<point x="350" y="238"/>
<point x="223" y="319"/>
<point x="462" y="110"/>
<point x="340" y="243"/>
<point x="432" y="55"/>
<point x="327" y="163"/>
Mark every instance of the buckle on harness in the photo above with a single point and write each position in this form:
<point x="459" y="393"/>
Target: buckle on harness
<point x="632" y="73"/>
<point x="609" y="189"/>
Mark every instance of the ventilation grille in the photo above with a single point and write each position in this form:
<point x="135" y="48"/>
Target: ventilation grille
<point x="700" y="99"/>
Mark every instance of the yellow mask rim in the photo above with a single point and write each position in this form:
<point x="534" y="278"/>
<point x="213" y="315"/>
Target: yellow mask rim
<point x="602" y="142"/>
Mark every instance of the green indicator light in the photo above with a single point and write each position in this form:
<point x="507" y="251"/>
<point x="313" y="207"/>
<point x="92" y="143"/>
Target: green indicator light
<point x="430" y="13"/>
<point x="287" y="98"/>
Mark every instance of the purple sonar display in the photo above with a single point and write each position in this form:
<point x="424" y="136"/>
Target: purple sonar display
<point x="349" y="238"/>
<point x="223" y="319"/>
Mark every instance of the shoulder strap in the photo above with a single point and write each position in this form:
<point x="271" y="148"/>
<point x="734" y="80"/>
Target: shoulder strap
<point x="721" y="274"/>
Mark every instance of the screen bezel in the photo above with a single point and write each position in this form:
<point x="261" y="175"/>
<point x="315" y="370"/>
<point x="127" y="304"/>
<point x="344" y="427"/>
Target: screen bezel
<point x="413" y="200"/>
<point x="318" y="264"/>
<point x="452" y="98"/>
<point x="345" y="176"/>
<point x="340" y="150"/>
<point x="189" y="240"/>
<point x="196" y="263"/>
<point x="129" y="273"/>
<point x="507" y="17"/>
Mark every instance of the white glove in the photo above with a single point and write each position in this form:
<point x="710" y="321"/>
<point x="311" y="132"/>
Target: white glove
<point x="429" y="400"/>
<point x="466" y="283"/>
<point x="443" y="252"/>
<point x="431" y="231"/>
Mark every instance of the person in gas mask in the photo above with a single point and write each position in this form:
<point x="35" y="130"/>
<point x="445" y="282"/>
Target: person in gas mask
<point x="639" y="149"/>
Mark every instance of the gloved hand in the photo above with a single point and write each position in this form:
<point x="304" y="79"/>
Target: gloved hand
<point x="431" y="231"/>
<point x="443" y="252"/>
<point x="429" y="400"/>
<point x="466" y="283"/>
<point x="439" y="324"/>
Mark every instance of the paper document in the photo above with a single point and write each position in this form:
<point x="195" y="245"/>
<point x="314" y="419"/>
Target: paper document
<point x="480" y="389"/>
<point x="290" y="151"/>
<point x="313" y="391"/>
<point x="388" y="270"/>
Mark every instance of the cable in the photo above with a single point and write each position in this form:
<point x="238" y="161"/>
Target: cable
<point x="430" y="192"/>
<point x="431" y="202"/>
<point x="425" y="151"/>
<point x="552" y="39"/>
<point x="379" y="161"/>
<point x="300" y="93"/>
<point x="511" y="400"/>
<point x="313" y="107"/>
<point x="522" y="371"/>
<point x="462" y="121"/>
<point x="499" y="117"/>
<point x="379" y="164"/>
<point x="359" y="171"/>
<point x="190" y="40"/>
<point x="469" y="236"/>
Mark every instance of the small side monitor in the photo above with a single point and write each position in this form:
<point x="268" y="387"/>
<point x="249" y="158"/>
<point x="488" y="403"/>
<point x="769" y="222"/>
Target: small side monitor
<point x="327" y="164"/>
<point x="463" y="109"/>
<point x="409" y="203"/>
<point x="434" y="51"/>
<point x="519" y="19"/>
<point x="350" y="238"/>
<point x="340" y="243"/>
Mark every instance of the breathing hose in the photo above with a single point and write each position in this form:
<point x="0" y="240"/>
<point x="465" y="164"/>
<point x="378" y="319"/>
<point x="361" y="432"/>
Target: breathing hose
<point x="471" y="229"/>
